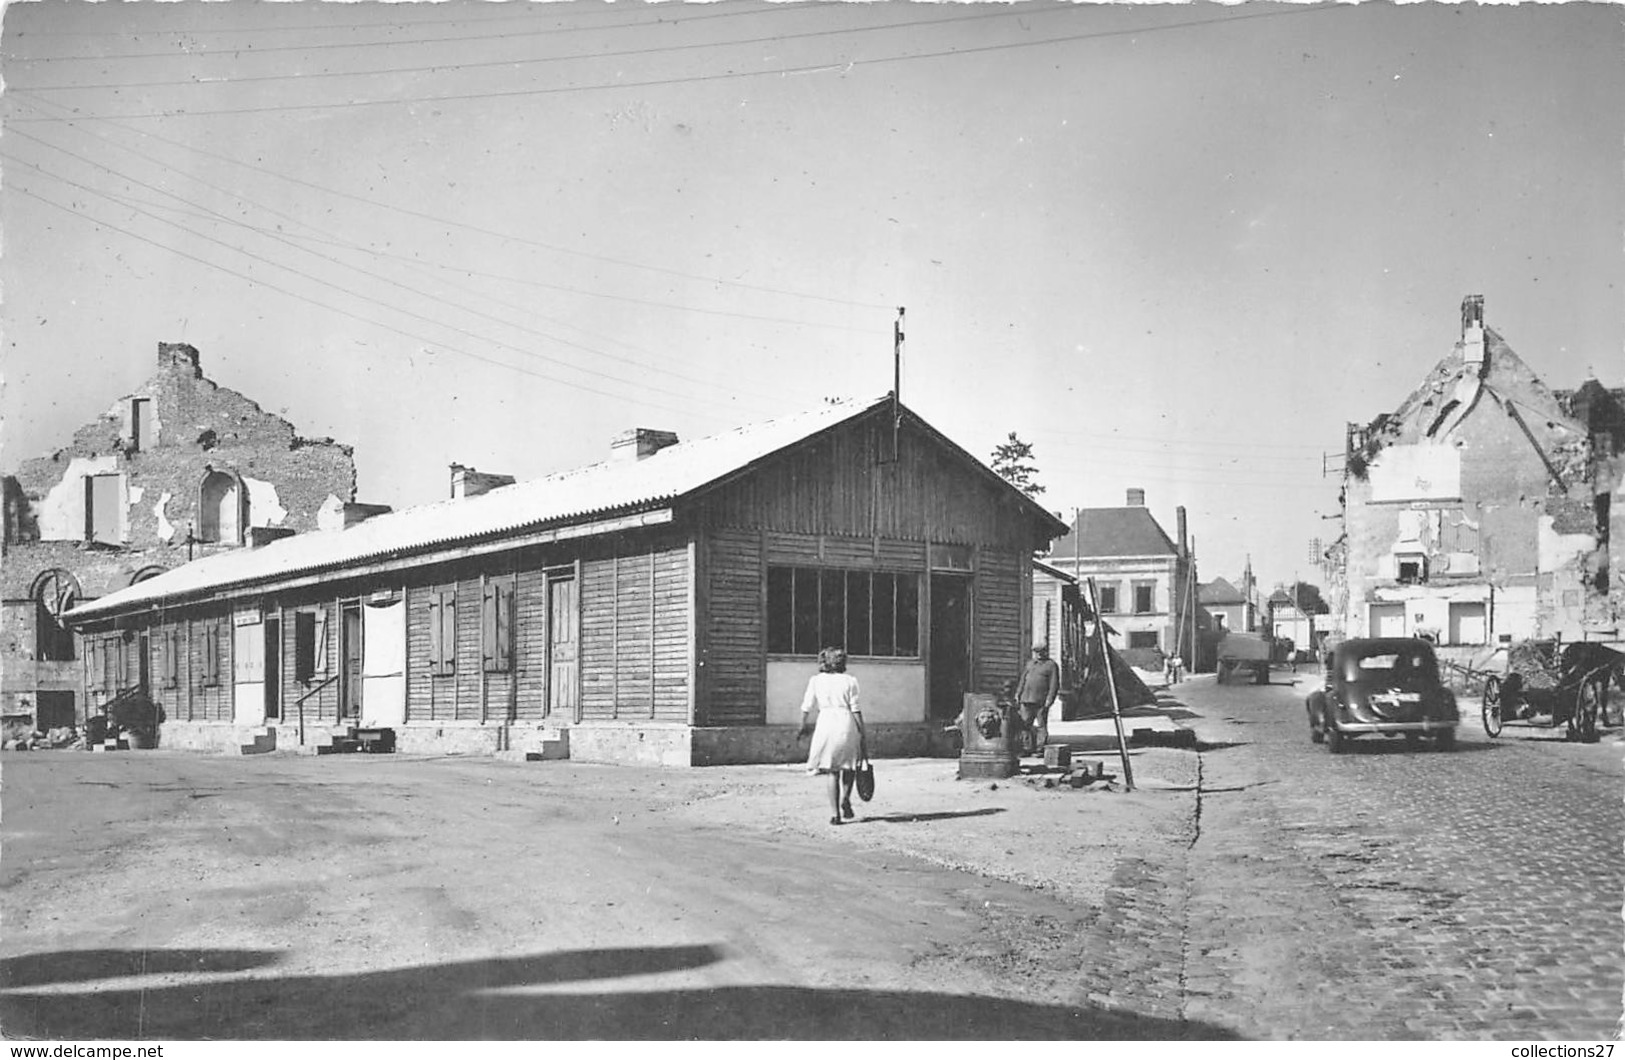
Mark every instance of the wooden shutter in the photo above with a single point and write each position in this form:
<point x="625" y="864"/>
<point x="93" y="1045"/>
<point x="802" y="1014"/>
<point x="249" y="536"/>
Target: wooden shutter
<point x="488" y="626"/>
<point x="93" y="664"/>
<point x="496" y="626"/>
<point x="434" y="633"/>
<point x="321" y="640"/>
<point x="304" y="646"/>
<point x="443" y="632"/>
<point x="211" y="653"/>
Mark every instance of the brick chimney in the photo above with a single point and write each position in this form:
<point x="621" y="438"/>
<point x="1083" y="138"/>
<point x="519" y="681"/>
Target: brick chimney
<point x="179" y="355"/>
<point x="639" y="442"/>
<point x="467" y="482"/>
<point x="1472" y="331"/>
<point x="1136" y="497"/>
<point x="1179" y="521"/>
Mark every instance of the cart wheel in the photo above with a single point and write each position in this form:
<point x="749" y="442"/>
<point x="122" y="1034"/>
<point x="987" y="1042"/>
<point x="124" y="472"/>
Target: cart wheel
<point x="1588" y="703"/>
<point x="1492" y="706"/>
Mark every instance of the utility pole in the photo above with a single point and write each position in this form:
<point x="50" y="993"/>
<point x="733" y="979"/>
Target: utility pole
<point x="896" y="381"/>
<point x="1111" y="685"/>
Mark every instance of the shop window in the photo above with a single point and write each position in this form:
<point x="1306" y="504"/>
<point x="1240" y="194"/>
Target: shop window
<point x="443" y="632"/>
<point x="869" y="613"/>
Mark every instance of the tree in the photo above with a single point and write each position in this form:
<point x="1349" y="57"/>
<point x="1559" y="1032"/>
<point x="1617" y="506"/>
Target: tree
<point x="1308" y="598"/>
<point x="1011" y="462"/>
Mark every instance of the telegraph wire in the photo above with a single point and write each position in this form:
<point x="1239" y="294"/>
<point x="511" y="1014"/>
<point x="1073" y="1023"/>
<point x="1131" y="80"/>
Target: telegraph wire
<point x="420" y="215"/>
<point x="349" y="292"/>
<point x="414" y="336"/>
<point x="838" y="66"/>
<point x="238" y="55"/>
<point x="285" y="238"/>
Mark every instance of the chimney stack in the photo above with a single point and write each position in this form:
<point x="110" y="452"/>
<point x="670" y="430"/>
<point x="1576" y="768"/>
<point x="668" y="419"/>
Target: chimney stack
<point x="179" y="355"/>
<point x="1179" y="521"/>
<point x="1136" y="498"/>
<point x="1472" y="331"/>
<point x="467" y="482"/>
<point x="639" y="442"/>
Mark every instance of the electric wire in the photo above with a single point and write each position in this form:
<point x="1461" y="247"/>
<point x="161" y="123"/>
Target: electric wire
<point x="787" y="71"/>
<point x="506" y="237"/>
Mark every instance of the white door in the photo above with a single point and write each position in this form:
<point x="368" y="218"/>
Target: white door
<point x="248" y="674"/>
<point x="383" y="665"/>
<point x="1387" y="620"/>
<point x="1467" y="624"/>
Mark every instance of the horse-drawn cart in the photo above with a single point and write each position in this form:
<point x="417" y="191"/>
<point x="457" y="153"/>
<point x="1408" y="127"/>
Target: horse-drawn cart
<point x="1547" y="683"/>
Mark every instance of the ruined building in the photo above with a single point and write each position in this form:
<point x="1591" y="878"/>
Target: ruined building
<point x="1486" y="507"/>
<point x="179" y="469"/>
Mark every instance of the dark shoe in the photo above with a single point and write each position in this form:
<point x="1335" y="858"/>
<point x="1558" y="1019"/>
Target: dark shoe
<point x="834" y="820"/>
<point x="846" y="810"/>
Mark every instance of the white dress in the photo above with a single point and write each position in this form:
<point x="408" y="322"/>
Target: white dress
<point x="836" y="741"/>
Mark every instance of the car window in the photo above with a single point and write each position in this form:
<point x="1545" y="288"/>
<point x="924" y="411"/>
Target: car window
<point x="1389" y="664"/>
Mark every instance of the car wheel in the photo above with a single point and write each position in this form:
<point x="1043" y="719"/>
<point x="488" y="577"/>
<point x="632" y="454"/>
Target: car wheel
<point x="1317" y="718"/>
<point x="1492" y="706"/>
<point x="1445" y="740"/>
<point x="1335" y="741"/>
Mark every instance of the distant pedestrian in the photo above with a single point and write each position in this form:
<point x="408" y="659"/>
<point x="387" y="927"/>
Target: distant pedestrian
<point x="1040" y="684"/>
<point x="838" y="745"/>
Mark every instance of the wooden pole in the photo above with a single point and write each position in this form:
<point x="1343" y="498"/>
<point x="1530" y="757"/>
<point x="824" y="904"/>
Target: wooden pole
<point x="1111" y="685"/>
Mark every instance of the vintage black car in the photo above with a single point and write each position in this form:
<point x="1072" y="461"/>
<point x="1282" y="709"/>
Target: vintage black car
<point x="1387" y="687"/>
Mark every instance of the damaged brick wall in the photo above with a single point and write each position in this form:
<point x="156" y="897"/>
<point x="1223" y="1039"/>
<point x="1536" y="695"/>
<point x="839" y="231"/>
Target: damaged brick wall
<point x="151" y="452"/>
<point x="1514" y="528"/>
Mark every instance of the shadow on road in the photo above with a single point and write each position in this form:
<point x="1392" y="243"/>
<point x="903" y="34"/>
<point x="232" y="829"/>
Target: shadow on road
<point x="1383" y="746"/>
<point x="943" y="815"/>
<point x="81" y="966"/>
<point x="509" y="999"/>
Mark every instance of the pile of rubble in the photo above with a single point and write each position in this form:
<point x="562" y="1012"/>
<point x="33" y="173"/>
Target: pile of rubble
<point x="66" y="738"/>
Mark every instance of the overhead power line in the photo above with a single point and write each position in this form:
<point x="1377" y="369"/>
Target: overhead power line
<point x="239" y="55"/>
<point x="507" y="237"/>
<point x="352" y="294"/>
<point x="837" y="66"/>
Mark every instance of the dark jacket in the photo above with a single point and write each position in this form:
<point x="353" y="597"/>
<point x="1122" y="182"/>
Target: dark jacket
<point x="1040" y="682"/>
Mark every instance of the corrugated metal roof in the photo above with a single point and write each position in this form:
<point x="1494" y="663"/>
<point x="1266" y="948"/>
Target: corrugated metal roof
<point x="613" y="486"/>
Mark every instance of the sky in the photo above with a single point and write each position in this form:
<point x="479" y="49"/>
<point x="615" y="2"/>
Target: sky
<point x="1175" y="247"/>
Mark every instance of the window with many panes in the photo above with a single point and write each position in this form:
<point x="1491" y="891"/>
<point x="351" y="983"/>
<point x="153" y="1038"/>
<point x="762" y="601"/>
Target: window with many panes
<point x="872" y="613"/>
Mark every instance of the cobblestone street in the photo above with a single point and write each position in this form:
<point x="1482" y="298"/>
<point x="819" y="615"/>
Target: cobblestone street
<point x="1384" y="893"/>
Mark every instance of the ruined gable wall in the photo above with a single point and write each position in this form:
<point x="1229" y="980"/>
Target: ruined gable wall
<point x="199" y="426"/>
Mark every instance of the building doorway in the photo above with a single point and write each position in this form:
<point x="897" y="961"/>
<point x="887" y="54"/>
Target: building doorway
<point x="273" y="669"/>
<point x="350" y="655"/>
<point x="563" y="640"/>
<point x="949" y="662"/>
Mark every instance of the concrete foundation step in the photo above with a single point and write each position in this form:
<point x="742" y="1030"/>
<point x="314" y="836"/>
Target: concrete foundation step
<point x="549" y="745"/>
<point x="261" y="741"/>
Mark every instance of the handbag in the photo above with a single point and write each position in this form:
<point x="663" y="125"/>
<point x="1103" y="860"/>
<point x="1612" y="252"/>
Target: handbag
<point x="866" y="780"/>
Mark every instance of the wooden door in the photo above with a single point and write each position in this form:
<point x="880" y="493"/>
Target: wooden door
<point x="273" y="669"/>
<point x="563" y="649"/>
<point x="949" y="664"/>
<point x="350" y="662"/>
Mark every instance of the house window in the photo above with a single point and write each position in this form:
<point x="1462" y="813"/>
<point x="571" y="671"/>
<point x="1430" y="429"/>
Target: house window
<point x="869" y="613"/>
<point x="443" y="632"/>
<point x="143" y="428"/>
<point x="309" y="633"/>
<point x="1412" y="569"/>
<point x="496" y="627"/>
<point x="104" y="515"/>
<point x="220" y="508"/>
<point x="1145" y="597"/>
<point x="55" y="591"/>
<point x="1142" y="638"/>
<point x="1108" y="599"/>
<point x="1221" y="620"/>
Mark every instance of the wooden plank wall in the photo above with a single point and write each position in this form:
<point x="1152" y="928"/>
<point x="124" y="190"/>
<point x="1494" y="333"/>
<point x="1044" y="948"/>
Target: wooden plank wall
<point x="734" y="635"/>
<point x="999" y="608"/>
<point x="635" y="652"/>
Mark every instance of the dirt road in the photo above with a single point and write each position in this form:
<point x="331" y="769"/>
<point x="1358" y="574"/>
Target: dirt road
<point x="165" y="895"/>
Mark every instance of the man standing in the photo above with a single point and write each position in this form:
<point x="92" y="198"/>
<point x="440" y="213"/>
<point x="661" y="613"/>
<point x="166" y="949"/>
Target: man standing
<point x="1040" y="684"/>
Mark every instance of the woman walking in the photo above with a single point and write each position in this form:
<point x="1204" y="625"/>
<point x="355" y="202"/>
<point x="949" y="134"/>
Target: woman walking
<point x="837" y="740"/>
